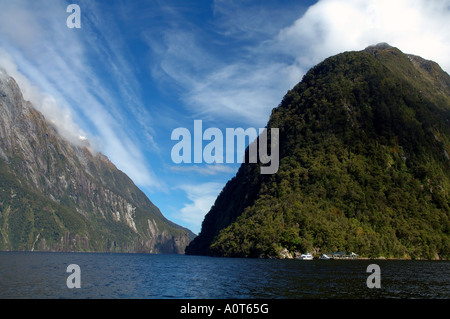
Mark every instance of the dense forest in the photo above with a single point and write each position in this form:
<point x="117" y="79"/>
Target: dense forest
<point x="364" y="166"/>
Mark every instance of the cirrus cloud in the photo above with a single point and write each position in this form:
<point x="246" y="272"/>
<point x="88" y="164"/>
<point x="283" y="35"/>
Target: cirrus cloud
<point x="82" y="80"/>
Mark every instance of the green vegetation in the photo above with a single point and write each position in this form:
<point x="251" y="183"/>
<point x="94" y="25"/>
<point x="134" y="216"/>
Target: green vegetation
<point x="26" y="216"/>
<point x="364" y="166"/>
<point x="30" y="221"/>
<point x="55" y="196"/>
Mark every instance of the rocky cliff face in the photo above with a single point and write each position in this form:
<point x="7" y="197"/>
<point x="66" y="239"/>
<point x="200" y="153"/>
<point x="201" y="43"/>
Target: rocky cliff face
<point x="61" y="197"/>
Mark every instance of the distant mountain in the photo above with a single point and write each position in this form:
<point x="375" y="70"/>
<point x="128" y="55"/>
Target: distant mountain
<point x="364" y="166"/>
<point x="55" y="196"/>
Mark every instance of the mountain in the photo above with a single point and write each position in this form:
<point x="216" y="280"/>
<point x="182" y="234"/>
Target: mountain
<point x="364" y="166"/>
<point x="57" y="196"/>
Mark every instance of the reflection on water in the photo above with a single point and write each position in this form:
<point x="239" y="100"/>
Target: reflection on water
<point x="43" y="275"/>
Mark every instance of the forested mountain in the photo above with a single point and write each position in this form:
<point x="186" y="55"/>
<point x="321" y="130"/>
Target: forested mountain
<point x="364" y="166"/>
<point x="56" y="196"/>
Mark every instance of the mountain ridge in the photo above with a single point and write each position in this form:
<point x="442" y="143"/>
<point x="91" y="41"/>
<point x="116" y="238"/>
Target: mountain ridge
<point x="58" y="196"/>
<point x="364" y="166"/>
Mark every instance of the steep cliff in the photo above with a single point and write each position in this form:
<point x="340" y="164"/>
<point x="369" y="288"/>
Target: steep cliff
<point x="62" y="197"/>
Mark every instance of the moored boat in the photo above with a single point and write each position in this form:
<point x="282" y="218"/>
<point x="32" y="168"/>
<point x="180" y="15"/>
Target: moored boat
<point x="306" y="256"/>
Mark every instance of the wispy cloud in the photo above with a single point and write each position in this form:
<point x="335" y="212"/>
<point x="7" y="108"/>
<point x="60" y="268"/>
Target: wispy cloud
<point x="202" y="197"/>
<point x="244" y="85"/>
<point x="58" y="61"/>
<point x="56" y="114"/>
<point x="208" y="170"/>
<point x="219" y="83"/>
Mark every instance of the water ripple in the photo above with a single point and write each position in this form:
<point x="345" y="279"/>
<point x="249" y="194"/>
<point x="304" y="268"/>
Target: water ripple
<point x="43" y="275"/>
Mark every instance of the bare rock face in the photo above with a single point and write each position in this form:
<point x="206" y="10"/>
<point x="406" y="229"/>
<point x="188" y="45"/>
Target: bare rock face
<point x="56" y="196"/>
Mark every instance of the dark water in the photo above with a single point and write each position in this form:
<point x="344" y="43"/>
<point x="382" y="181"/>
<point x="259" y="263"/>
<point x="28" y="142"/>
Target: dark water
<point x="43" y="275"/>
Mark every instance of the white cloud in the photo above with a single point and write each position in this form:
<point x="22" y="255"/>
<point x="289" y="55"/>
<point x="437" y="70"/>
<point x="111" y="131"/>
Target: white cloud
<point x="60" y="117"/>
<point x="333" y="26"/>
<point x="202" y="197"/>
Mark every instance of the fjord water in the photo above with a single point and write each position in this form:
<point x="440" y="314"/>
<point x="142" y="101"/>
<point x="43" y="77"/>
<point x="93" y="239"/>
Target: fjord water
<point x="43" y="275"/>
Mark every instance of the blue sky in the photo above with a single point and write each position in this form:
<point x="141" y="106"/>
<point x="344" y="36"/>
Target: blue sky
<point x="137" y="70"/>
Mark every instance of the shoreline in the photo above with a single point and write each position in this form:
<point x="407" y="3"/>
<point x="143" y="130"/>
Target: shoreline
<point x="266" y="257"/>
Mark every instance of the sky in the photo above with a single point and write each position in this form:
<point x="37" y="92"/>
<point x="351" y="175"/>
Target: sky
<point x="137" y="70"/>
